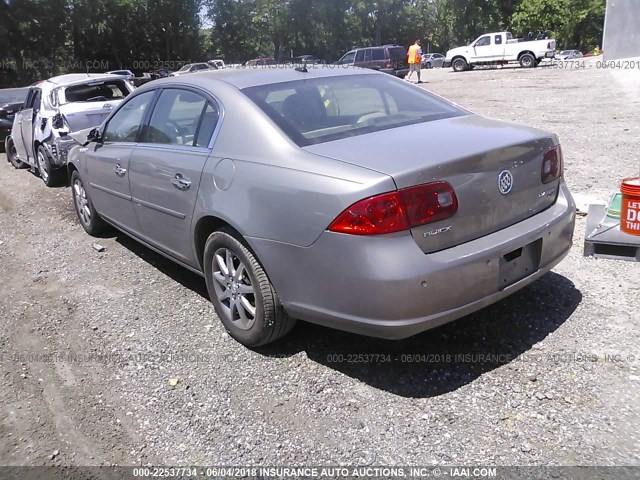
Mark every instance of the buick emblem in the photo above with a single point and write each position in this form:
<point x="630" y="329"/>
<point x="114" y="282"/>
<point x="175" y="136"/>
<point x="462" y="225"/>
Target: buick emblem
<point x="505" y="182"/>
<point x="107" y="106"/>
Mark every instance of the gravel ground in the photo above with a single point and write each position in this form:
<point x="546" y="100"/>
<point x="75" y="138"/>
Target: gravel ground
<point x="118" y="358"/>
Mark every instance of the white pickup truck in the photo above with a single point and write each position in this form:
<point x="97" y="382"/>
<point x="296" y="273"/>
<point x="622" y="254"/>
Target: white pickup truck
<point x="498" y="49"/>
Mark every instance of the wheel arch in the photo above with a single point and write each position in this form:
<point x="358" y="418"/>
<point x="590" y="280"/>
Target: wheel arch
<point x="524" y="52"/>
<point x="459" y="57"/>
<point x="70" y="169"/>
<point x="204" y="227"/>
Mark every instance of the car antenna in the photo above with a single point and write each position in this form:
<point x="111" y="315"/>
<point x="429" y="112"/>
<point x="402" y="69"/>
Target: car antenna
<point x="303" y="68"/>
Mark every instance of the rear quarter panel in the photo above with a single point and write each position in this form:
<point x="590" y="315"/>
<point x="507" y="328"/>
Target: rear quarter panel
<point x="265" y="186"/>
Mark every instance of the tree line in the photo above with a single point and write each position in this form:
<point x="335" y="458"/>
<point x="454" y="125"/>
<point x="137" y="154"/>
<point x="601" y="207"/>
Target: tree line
<point x="42" y="38"/>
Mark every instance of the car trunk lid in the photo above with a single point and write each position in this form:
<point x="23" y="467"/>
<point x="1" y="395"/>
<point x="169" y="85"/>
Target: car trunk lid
<point x="83" y="115"/>
<point x="472" y="154"/>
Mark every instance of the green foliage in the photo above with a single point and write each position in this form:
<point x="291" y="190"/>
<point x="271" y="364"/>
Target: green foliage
<point x="574" y="23"/>
<point x="42" y="38"/>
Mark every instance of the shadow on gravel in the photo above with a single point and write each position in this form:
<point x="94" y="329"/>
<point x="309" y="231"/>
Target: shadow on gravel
<point x="429" y="364"/>
<point x="443" y="359"/>
<point x="185" y="277"/>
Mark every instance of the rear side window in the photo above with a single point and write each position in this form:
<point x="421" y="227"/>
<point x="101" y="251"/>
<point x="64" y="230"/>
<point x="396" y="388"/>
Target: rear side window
<point x="208" y="124"/>
<point x="397" y="53"/>
<point x="377" y="54"/>
<point x="176" y="118"/>
<point x="360" y="56"/>
<point x="319" y="110"/>
<point x="497" y="40"/>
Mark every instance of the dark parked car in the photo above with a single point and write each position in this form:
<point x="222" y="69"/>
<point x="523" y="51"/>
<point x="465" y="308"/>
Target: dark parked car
<point x="328" y="213"/>
<point x="11" y="99"/>
<point x="308" y="59"/>
<point x="149" y="76"/>
<point x="432" y="60"/>
<point x="386" y="58"/>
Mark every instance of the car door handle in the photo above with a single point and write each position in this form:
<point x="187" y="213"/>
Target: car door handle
<point x="119" y="170"/>
<point x="180" y="182"/>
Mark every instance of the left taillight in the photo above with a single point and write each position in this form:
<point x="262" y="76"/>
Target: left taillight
<point x="397" y="211"/>
<point x="552" y="165"/>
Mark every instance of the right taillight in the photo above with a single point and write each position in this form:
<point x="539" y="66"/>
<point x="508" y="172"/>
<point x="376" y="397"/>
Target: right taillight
<point x="398" y="211"/>
<point x="552" y="165"/>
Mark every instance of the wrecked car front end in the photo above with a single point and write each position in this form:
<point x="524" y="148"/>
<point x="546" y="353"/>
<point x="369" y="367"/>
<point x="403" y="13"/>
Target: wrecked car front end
<point x="75" y="108"/>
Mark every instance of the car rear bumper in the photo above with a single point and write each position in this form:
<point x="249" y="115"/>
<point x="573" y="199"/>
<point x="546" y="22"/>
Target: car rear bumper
<point x="402" y="72"/>
<point x="446" y="63"/>
<point x="385" y="286"/>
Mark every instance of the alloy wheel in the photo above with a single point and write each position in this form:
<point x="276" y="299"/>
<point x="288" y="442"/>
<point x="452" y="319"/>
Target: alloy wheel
<point x="234" y="289"/>
<point x="82" y="203"/>
<point x="42" y="166"/>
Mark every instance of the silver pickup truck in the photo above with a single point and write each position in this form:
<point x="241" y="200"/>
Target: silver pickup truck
<point x="53" y="109"/>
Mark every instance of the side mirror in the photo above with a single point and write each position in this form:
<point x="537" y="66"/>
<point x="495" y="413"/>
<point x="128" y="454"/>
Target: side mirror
<point x="94" y="135"/>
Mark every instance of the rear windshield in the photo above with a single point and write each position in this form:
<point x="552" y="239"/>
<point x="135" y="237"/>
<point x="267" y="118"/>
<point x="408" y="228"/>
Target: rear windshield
<point x="319" y="110"/>
<point x="103" y="91"/>
<point x="398" y="53"/>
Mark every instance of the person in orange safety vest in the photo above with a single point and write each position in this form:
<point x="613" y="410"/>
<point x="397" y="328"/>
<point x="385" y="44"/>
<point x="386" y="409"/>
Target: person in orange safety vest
<point x="415" y="59"/>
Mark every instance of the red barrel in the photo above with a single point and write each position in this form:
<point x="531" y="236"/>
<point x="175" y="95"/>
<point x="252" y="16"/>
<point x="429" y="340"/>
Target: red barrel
<point x="630" y="208"/>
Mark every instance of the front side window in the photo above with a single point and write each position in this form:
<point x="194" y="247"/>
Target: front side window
<point x="483" y="42"/>
<point x="323" y="109"/>
<point x="177" y="117"/>
<point x="347" y="58"/>
<point x="126" y="122"/>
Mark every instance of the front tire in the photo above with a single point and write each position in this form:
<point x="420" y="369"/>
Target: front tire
<point x="89" y="218"/>
<point x="459" y="65"/>
<point x="527" y="61"/>
<point x="51" y="176"/>
<point x="12" y="154"/>
<point x="241" y="292"/>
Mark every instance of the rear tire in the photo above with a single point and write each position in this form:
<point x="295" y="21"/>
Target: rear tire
<point x="12" y="155"/>
<point x="51" y="176"/>
<point x="241" y="292"/>
<point x="459" y="65"/>
<point x="527" y="60"/>
<point x="89" y="218"/>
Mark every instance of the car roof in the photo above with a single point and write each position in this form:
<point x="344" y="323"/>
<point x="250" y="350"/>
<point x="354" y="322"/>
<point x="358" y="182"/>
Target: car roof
<point x="244" y="77"/>
<point x="73" y="78"/>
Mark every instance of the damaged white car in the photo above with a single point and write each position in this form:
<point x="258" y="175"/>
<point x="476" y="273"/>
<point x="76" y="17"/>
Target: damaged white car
<point x="53" y="109"/>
